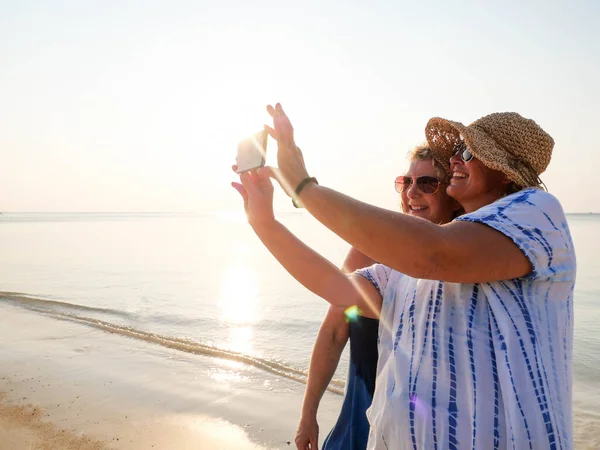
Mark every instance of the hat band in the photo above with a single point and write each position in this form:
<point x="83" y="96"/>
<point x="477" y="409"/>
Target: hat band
<point x="517" y="164"/>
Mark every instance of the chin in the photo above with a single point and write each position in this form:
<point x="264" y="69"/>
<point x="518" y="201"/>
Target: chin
<point x="456" y="192"/>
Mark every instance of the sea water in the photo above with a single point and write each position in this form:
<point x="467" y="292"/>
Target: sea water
<point x="203" y="283"/>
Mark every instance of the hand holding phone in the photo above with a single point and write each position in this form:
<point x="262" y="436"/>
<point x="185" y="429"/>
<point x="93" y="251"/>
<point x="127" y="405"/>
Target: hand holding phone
<point x="251" y="152"/>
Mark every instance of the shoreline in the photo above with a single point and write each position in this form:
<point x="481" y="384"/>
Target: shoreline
<point x="65" y="385"/>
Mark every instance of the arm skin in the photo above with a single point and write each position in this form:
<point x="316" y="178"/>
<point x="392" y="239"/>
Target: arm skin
<point x="460" y="252"/>
<point x="321" y="277"/>
<point x="316" y="273"/>
<point x="308" y="267"/>
<point x="326" y="354"/>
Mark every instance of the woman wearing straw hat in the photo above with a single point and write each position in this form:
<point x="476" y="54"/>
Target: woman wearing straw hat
<point x="476" y="318"/>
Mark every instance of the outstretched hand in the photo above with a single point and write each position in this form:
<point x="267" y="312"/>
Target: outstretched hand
<point x="291" y="169"/>
<point x="256" y="190"/>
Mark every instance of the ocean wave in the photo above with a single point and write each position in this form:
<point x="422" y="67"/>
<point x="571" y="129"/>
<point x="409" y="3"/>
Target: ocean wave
<point x="29" y="301"/>
<point x="58" y="310"/>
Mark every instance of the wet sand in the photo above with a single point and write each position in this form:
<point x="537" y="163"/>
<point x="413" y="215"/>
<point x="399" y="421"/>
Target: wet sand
<point x="64" y="385"/>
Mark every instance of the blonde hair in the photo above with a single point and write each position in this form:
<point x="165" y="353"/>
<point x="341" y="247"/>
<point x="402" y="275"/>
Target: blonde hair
<point x="423" y="152"/>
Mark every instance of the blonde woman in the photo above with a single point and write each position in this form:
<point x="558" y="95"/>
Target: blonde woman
<point x="422" y="194"/>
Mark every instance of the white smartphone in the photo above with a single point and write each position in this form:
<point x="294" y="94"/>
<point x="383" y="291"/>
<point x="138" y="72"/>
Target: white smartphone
<point x="251" y="152"/>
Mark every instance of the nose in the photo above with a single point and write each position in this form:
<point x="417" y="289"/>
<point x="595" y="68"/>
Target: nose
<point x="413" y="191"/>
<point x="456" y="159"/>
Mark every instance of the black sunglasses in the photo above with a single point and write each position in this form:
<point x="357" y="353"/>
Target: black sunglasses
<point x="426" y="184"/>
<point x="465" y="154"/>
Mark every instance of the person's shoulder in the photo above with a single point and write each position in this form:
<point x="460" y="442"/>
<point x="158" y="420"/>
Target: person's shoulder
<point x="525" y="198"/>
<point x="532" y="195"/>
<point x="536" y="198"/>
<point x="529" y="204"/>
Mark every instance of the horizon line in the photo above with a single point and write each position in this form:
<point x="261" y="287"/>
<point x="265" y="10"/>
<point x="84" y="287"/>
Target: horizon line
<point x="229" y="211"/>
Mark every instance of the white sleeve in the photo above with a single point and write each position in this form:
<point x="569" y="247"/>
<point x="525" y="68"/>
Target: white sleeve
<point x="534" y="220"/>
<point x="378" y="275"/>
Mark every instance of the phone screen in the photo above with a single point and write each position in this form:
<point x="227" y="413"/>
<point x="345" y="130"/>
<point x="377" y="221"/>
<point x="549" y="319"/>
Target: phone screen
<point x="251" y="152"/>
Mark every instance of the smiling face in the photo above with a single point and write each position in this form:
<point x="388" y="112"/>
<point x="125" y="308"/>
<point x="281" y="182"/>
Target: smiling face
<point x="438" y="207"/>
<point x="474" y="185"/>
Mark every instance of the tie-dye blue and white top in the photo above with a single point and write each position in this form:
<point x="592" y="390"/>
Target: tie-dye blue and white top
<point x="486" y="365"/>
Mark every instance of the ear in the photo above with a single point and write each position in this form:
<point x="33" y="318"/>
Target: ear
<point x="505" y="179"/>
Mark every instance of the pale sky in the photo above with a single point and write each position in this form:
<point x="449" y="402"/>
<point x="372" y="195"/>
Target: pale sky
<point x="130" y="106"/>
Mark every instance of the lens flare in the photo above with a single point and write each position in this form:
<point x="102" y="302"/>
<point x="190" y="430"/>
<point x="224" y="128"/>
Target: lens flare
<point x="352" y="313"/>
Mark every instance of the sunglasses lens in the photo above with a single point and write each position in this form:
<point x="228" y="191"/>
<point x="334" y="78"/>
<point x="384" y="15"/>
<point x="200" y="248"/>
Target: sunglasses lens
<point x="402" y="183"/>
<point x="466" y="155"/>
<point x="428" y="185"/>
<point x="462" y="150"/>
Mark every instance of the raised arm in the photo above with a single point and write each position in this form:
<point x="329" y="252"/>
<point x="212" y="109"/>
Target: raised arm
<point x="311" y="269"/>
<point x="459" y="252"/>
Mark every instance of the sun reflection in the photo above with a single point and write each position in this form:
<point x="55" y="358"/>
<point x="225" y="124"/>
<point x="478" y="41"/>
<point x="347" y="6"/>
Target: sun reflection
<point x="229" y="376"/>
<point x="238" y="305"/>
<point x="240" y="339"/>
<point x="238" y="295"/>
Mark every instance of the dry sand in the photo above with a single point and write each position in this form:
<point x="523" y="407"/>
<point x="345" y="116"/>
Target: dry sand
<point x="22" y="428"/>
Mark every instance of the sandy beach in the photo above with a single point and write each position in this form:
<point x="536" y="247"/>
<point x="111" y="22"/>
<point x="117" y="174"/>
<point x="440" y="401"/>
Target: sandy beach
<point x="64" y="385"/>
<point x="67" y="386"/>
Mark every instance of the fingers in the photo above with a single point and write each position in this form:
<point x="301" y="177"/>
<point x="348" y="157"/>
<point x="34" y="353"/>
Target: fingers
<point x="275" y="173"/>
<point x="256" y="186"/>
<point x="268" y="171"/>
<point x="271" y="131"/>
<point x="238" y="187"/>
<point x="302" y="442"/>
<point x="276" y="110"/>
<point x="262" y="174"/>
<point x="246" y="181"/>
<point x="283" y="129"/>
<point x="262" y="180"/>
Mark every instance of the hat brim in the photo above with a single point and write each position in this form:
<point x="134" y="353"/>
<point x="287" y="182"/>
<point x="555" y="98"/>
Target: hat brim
<point x="443" y="135"/>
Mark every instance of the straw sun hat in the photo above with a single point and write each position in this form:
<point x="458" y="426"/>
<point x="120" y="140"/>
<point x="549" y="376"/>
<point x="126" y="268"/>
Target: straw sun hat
<point x="506" y="141"/>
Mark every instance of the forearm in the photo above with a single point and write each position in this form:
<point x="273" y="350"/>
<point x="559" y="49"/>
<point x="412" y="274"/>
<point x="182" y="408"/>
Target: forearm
<point x="323" y="364"/>
<point x="308" y="267"/>
<point x="383" y="235"/>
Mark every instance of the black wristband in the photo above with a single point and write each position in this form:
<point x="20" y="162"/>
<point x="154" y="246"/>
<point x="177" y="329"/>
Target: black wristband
<point x="301" y="186"/>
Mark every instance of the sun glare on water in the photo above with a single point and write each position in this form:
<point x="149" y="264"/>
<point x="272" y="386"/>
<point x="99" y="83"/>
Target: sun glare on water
<point x="238" y="304"/>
